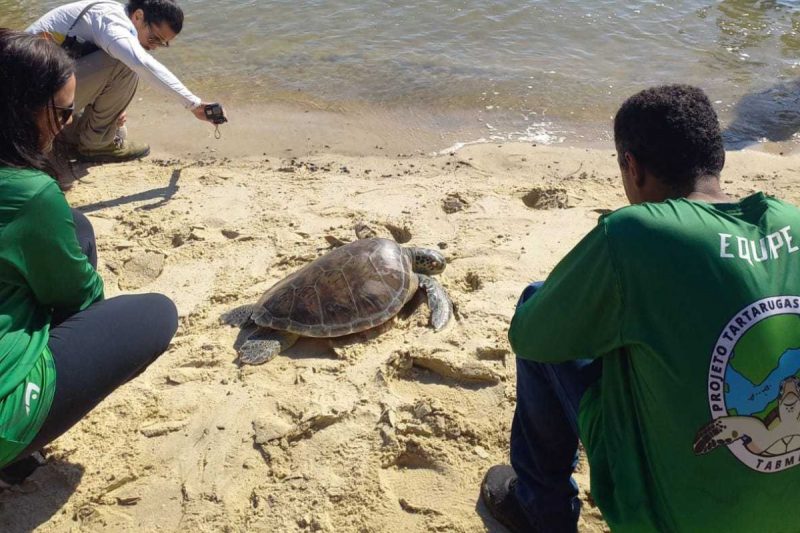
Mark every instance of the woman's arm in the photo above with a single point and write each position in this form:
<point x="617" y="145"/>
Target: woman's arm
<point x="49" y="255"/>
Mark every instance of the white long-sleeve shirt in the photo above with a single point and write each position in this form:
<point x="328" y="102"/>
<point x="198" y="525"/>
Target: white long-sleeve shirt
<point x="108" y="26"/>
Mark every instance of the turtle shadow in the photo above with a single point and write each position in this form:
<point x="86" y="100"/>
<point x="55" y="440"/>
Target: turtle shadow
<point x="304" y="348"/>
<point x="53" y="484"/>
<point x="772" y="114"/>
<point x="325" y="348"/>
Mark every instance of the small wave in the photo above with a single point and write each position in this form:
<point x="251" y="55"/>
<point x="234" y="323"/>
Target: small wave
<point x="539" y="133"/>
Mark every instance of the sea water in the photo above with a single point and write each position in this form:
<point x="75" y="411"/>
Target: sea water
<point x="545" y="71"/>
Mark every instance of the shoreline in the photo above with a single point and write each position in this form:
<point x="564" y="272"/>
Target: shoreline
<point x="305" y="128"/>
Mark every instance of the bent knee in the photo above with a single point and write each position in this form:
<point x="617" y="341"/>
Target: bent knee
<point x="162" y="314"/>
<point x="165" y="308"/>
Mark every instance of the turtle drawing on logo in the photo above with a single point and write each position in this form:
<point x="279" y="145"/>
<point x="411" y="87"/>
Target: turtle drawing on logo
<point x="782" y="437"/>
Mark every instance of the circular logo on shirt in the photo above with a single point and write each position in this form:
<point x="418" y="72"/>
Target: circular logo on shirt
<point x="753" y="388"/>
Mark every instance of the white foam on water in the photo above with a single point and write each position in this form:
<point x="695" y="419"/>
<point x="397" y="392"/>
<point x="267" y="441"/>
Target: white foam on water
<point x="459" y="145"/>
<point x="538" y="132"/>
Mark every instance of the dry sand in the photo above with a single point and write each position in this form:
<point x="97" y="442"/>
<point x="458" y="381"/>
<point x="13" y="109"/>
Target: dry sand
<point x="392" y="434"/>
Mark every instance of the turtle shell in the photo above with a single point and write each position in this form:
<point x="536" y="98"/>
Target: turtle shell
<point x="350" y="289"/>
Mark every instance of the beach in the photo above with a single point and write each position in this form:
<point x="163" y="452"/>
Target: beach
<point x="481" y="130"/>
<point x="392" y="433"/>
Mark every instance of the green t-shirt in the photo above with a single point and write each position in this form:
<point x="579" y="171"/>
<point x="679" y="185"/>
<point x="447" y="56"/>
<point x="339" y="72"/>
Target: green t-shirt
<point x="42" y="268"/>
<point x="695" y="310"/>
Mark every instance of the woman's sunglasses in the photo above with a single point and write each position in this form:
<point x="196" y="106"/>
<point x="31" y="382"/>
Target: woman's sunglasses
<point x="63" y="113"/>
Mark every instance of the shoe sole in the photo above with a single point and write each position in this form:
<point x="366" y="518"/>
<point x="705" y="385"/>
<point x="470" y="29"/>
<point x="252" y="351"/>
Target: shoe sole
<point x="111" y="159"/>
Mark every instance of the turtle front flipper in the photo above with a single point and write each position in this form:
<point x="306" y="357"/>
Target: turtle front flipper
<point x="726" y="430"/>
<point x="264" y="345"/>
<point x="239" y="316"/>
<point x="438" y="301"/>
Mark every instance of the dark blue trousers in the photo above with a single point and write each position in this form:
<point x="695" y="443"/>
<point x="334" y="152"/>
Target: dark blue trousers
<point x="544" y="437"/>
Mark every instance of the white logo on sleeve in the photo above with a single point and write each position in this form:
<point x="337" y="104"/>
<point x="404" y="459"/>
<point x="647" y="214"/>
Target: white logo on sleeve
<point x="31" y="393"/>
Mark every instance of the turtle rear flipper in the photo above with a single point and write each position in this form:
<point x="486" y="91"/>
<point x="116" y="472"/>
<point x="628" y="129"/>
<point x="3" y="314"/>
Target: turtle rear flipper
<point x="264" y="345"/>
<point x="239" y="316"/>
<point x="438" y="301"/>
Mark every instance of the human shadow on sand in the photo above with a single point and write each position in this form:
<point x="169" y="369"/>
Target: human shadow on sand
<point x="772" y="114"/>
<point x="43" y="495"/>
<point x="164" y="194"/>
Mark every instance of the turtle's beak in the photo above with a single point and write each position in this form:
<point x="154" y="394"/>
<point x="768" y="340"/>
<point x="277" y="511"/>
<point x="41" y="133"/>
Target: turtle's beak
<point x="790" y="399"/>
<point x="428" y="261"/>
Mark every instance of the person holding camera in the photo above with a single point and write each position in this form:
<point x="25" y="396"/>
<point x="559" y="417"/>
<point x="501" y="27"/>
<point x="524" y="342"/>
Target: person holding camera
<point x="63" y="346"/>
<point x="110" y="44"/>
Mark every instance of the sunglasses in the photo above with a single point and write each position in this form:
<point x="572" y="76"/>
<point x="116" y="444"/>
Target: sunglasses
<point x="63" y="113"/>
<point x="156" y="39"/>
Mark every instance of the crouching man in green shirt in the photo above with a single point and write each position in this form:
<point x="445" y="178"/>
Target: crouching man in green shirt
<point x="668" y="340"/>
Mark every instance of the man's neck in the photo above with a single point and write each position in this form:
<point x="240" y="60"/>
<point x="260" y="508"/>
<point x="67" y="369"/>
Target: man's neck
<point x="707" y="189"/>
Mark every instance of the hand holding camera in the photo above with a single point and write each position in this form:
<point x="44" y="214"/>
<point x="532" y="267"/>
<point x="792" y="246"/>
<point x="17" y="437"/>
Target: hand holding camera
<point x="213" y="113"/>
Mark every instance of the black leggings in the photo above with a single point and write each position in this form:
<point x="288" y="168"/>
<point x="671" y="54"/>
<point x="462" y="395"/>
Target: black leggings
<point x="101" y="348"/>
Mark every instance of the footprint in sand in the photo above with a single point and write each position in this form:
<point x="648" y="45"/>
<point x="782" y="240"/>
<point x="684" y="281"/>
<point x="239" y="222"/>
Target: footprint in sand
<point x="453" y="203"/>
<point x="546" y="198"/>
<point x="406" y="364"/>
<point x="140" y="270"/>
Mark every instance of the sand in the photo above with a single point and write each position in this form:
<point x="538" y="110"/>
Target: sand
<point x="390" y="434"/>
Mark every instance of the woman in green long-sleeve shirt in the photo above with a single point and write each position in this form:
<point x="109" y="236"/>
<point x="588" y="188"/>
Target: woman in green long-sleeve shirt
<point x="63" y="348"/>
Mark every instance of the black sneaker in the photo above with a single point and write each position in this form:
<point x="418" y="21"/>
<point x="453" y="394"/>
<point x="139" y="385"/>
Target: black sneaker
<point x="16" y="473"/>
<point x="497" y="493"/>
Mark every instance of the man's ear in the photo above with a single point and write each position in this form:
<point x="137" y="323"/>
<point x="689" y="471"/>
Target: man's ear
<point x="635" y="170"/>
<point x="137" y="16"/>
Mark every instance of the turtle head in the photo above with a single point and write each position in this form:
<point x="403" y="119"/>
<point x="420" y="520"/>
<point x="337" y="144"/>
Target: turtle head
<point x="789" y="397"/>
<point x="427" y="261"/>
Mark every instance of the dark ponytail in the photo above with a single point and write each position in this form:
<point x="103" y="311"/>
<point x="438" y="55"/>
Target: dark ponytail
<point x="32" y="71"/>
<point x="159" y="12"/>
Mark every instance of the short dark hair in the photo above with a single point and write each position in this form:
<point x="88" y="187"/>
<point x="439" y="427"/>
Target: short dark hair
<point x="158" y="12"/>
<point x="673" y="131"/>
<point x="33" y="70"/>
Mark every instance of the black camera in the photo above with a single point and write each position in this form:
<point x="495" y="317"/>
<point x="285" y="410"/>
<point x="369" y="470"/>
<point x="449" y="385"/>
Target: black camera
<point x="215" y="114"/>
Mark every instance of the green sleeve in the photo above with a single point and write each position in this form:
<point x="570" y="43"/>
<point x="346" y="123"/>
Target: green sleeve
<point x="52" y="262"/>
<point x="577" y="313"/>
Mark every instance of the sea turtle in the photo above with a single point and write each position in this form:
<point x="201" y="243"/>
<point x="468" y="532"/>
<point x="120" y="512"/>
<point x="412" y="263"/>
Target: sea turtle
<point x="782" y="437"/>
<point x="353" y="288"/>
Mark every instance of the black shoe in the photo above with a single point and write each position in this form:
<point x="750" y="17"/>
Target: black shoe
<point x="497" y="493"/>
<point x="16" y="473"/>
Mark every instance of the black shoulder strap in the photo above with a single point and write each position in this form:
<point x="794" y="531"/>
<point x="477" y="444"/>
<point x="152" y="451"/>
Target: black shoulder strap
<point x="82" y="13"/>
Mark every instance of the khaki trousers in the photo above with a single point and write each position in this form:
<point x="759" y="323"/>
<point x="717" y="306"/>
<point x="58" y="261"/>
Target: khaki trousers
<point x="105" y="87"/>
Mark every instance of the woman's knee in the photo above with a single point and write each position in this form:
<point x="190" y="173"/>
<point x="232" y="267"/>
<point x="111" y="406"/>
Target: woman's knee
<point x="164" y="308"/>
<point x="83" y="228"/>
<point x="85" y="234"/>
<point x="153" y="315"/>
